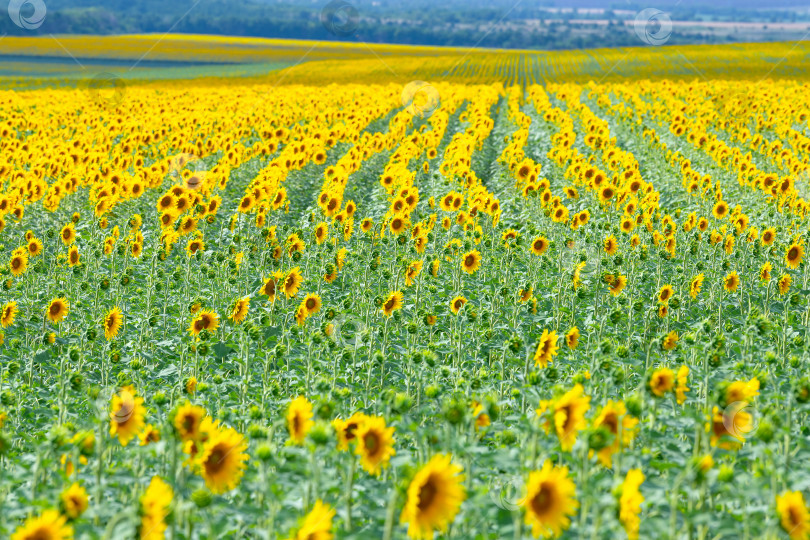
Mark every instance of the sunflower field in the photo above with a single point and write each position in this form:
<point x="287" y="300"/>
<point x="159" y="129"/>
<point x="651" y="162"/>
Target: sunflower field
<point x="316" y="312"/>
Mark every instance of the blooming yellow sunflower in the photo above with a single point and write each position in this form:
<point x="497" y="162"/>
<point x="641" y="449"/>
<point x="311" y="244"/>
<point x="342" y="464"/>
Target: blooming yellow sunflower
<point x="566" y="415"/>
<point x="346" y="430"/>
<point x="695" y="285"/>
<point x="317" y="524"/>
<point x="539" y="245"/>
<point x="731" y="281"/>
<point x="793" y="514"/>
<point x="665" y="293"/>
<point x="471" y="261"/>
<point x="662" y="381"/>
<point x="126" y="415"/>
<point x="375" y="444"/>
<point x="392" y="303"/>
<point x="240" y="309"/>
<point x="8" y="314"/>
<point x="57" y="309"/>
<point x="299" y="419"/>
<point x="550" y="501"/>
<point x="434" y="498"/>
<point x="155" y="504"/>
<point x="68" y="234"/>
<point x="222" y="460"/>
<point x="784" y="284"/>
<point x="572" y="338"/>
<point x="546" y="349"/>
<point x="630" y="503"/>
<point x="457" y="303"/>
<point x="794" y="255"/>
<point x="112" y="323"/>
<point x="292" y="281"/>
<point x="187" y="421"/>
<point x="73" y="501"/>
<point x="610" y="245"/>
<point x="18" y="264"/>
<point x="614" y="418"/>
<point x="205" y="320"/>
<point x="50" y="525"/>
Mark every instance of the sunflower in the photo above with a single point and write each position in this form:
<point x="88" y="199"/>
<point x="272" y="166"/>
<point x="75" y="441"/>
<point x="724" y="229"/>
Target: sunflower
<point x="413" y="271"/>
<point x="470" y="262"/>
<point x="68" y="234"/>
<point x="292" y="281"/>
<point x="731" y="282"/>
<point x="18" y="264"/>
<point x="375" y="444"/>
<point x="270" y="286"/>
<point x="768" y="236"/>
<point x="299" y="419"/>
<point x="765" y="272"/>
<point x="8" y="314"/>
<point x="57" y="309"/>
<point x="618" y="284"/>
<point x="670" y="341"/>
<point x="794" y="255"/>
<point x="126" y="414"/>
<point x="112" y="323"/>
<point x="34" y="247"/>
<point x="550" y="501"/>
<point x="630" y="503"/>
<point x="457" y="303"/>
<point x="784" y="284"/>
<point x="73" y="501"/>
<point x="613" y="417"/>
<point x="793" y="514"/>
<point x="73" y="256"/>
<point x="392" y="303"/>
<point x="240" y="309"/>
<point x="48" y="526"/>
<point x="572" y="338"/>
<point x="567" y="415"/>
<point x="695" y="285"/>
<point x="610" y="245"/>
<point x="205" y="320"/>
<point x="155" y="504"/>
<point x="742" y="391"/>
<point x="150" y="434"/>
<point x="194" y="245"/>
<point x="576" y="279"/>
<point x="731" y="426"/>
<point x="662" y="381"/>
<point x="434" y="498"/>
<point x="539" y="245"/>
<point x="681" y="389"/>
<point x="346" y="430"/>
<point x="222" y="460"/>
<point x="317" y="524"/>
<point x="187" y="421"/>
<point x="546" y="349"/>
<point x="720" y="210"/>
<point x="665" y="293"/>
<point x="312" y="304"/>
